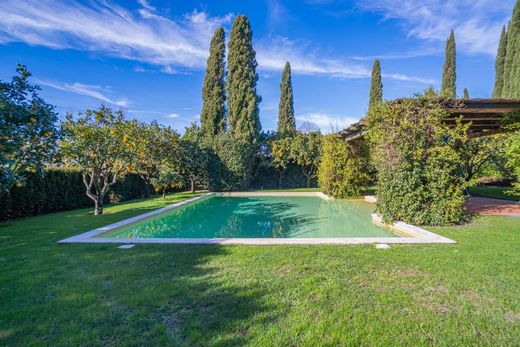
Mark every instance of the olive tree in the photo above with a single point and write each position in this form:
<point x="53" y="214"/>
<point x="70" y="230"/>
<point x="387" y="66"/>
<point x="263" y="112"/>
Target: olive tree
<point x="98" y="143"/>
<point x="281" y="156"/>
<point x="193" y="160"/>
<point x="166" y="178"/>
<point x="306" y="152"/>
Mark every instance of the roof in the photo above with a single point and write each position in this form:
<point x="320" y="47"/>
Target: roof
<point x="485" y="116"/>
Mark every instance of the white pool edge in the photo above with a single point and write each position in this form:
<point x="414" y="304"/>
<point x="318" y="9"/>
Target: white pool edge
<point x="409" y="234"/>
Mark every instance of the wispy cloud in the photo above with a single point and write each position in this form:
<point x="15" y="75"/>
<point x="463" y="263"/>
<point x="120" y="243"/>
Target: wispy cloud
<point x="327" y="122"/>
<point x="477" y="23"/>
<point x="104" y="27"/>
<point x="173" y="115"/>
<point x="93" y="91"/>
<point x="274" y="52"/>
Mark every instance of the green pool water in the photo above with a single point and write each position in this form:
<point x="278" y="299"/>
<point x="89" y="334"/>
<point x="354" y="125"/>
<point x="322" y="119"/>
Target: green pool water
<point x="259" y="217"/>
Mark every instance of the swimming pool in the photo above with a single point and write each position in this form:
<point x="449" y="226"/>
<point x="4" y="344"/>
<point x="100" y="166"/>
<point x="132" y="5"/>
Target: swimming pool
<point x="260" y="217"/>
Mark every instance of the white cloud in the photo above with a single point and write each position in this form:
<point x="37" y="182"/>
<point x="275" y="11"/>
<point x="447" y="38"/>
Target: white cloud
<point x="477" y="23"/>
<point x="273" y="53"/>
<point x="93" y="91"/>
<point x="110" y="29"/>
<point x="173" y="115"/>
<point x="327" y="122"/>
<point x="146" y="5"/>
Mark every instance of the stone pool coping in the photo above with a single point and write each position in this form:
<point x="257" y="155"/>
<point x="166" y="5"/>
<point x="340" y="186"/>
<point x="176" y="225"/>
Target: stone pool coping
<point x="409" y="234"/>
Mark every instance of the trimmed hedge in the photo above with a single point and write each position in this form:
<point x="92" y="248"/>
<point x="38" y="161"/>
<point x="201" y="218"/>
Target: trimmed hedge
<point x="416" y="163"/>
<point x="61" y="189"/>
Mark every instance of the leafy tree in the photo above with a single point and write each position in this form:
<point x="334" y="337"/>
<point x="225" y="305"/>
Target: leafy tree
<point x="376" y="85"/>
<point x="500" y="64"/>
<point x="306" y="152"/>
<point x="152" y="143"/>
<point x="28" y="132"/>
<point x="193" y="158"/>
<point x="213" y="92"/>
<point x="281" y="153"/>
<point x="511" y="87"/>
<point x="166" y="178"/>
<point x="449" y="73"/>
<point x="242" y="99"/>
<point x="513" y="160"/>
<point x="343" y="169"/>
<point x="98" y="143"/>
<point x="466" y="93"/>
<point x="286" y="121"/>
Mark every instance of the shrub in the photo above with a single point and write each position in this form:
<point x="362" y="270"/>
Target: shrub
<point x="416" y="161"/>
<point x="343" y="169"/>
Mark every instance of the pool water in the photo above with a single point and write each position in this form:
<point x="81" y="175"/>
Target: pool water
<point x="259" y="217"/>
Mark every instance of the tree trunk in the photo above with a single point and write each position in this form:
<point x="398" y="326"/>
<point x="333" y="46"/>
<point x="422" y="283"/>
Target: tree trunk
<point x="164" y="193"/>
<point x="192" y="185"/>
<point x="98" y="206"/>
<point x="308" y="181"/>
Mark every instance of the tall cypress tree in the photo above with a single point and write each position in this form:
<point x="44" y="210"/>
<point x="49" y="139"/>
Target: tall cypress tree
<point x="512" y="62"/>
<point x="499" y="64"/>
<point x="376" y="86"/>
<point x="242" y="102"/>
<point x="466" y="93"/>
<point x="213" y="92"/>
<point x="449" y="73"/>
<point x="286" y="122"/>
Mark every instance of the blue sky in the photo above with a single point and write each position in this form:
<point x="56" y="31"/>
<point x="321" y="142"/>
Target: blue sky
<point x="147" y="57"/>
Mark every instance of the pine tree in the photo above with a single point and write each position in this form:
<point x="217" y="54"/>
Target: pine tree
<point x="242" y="101"/>
<point x="213" y="91"/>
<point x="286" y="122"/>
<point x="466" y="93"/>
<point x="499" y="64"/>
<point x="376" y="86"/>
<point x="512" y="62"/>
<point x="449" y="73"/>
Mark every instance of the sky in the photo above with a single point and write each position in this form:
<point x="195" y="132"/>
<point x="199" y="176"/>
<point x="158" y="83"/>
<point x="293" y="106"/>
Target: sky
<point x="147" y="57"/>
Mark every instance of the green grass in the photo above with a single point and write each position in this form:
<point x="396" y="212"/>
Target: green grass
<point x="493" y="192"/>
<point x="93" y="294"/>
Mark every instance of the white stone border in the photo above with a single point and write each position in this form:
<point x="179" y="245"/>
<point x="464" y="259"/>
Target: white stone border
<point x="409" y="234"/>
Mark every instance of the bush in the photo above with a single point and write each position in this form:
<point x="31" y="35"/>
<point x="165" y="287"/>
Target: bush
<point x="61" y="189"/>
<point x="343" y="169"/>
<point x="415" y="159"/>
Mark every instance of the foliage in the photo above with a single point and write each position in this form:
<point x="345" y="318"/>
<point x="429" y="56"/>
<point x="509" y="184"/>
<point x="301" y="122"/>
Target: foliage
<point x="511" y="87"/>
<point x="167" y="178"/>
<point x="415" y="160"/>
<point x="449" y="72"/>
<point x="28" y="132"/>
<point x="242" y="100"/>
<point x="286" y="121"/>
<point x="193" y="157"/>
<point x="513" y="160"/>
<point x="153" y="144"/>
<point x="376" y="85"/>
<point x="213" y="91"/>
<point x="61" y="189"/>
<point x="281" y="156"/>
<point x="343" y="170"/>
<point x="97" y="142"/>
<point x="306" y="152"/>
<point x="500" y="64"/>
<point x="466" y="93"/>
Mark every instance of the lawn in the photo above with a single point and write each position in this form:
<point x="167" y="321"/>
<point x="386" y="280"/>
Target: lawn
<point x="493" y="192"/>
<point x="93" y="294"/>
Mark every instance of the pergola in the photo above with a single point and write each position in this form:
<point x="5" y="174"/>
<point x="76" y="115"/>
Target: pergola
<point x="485" y="115"/>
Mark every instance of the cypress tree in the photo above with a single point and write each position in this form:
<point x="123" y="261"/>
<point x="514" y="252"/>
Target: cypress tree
<point x="449" y="73"/>
<point x="242" y="100"/>
<point x="213" y="92"/>
<point x="376" y="86"/>
<point x="511" y="87"/>
<point x="286" y="122"/>
<point x="499" y="64"/>
<point x="466" y="93"/>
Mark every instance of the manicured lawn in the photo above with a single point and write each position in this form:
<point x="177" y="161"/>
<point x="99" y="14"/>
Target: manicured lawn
<point x="493" y="192"/>
<point x="50" y="294"/>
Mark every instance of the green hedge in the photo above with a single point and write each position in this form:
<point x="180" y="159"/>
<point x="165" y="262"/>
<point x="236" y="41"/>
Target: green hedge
<point x="61" y="189"/>
<point x="416" y="162"/>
